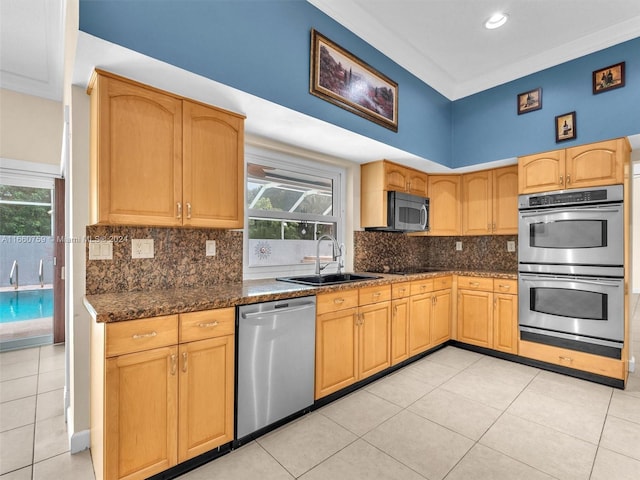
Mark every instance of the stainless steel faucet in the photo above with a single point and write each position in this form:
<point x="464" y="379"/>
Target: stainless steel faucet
<point x="337" y="252"/>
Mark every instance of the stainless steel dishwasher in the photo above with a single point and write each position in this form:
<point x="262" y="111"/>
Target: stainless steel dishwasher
<point x="276" y="362"/>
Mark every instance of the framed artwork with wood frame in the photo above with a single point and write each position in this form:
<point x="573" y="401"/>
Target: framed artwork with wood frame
<point x="608" y="78"/>
<point x="566" y="127"/>
<point x="529" y="101"/>
<point x="341" y="78"/>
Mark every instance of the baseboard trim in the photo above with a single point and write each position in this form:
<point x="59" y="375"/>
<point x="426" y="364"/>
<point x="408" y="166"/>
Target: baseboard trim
<point x="80" y="441"/>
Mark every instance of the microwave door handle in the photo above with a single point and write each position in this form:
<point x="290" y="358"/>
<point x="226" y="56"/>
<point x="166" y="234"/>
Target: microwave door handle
<point x="423" y="216"/>
<point x="599" y="283"/>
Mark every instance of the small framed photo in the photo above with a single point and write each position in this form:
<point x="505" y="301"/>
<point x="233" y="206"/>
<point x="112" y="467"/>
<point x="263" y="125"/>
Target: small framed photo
<point x="608" y="78"/>
<point x="529" y="101"/>
<point x="566" y="127"/>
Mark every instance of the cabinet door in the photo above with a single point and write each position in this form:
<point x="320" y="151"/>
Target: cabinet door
<point x="541" y="172"/>
<point x="505" y="327"/>
<point x="205" y="418"/>
<point x="475" y="317"/>
<point x="141" y="415"/>
<point x="476" y="203"/>
<point x="595" y="164"/>
<point x="336" y="351"/>
<point x="213" y="185"/>
<point x="441" y="317"/>
<point x="417" y="182"/>
<point x="395" y="177"/>
<point x="419" y="323"/>
<point x="444" y="204"/>
<point x="137" y="136"/>
<point x="399" y="330"/>
<point x="374" y="340"/>
<point x="505" y="200"/>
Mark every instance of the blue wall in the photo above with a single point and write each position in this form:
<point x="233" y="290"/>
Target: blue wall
<point x="262" y="47"/>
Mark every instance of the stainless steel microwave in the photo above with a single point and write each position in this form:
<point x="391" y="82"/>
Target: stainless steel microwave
<point x="406" y="213"/>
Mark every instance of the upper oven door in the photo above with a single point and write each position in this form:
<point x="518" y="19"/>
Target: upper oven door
<point x="589" y="235"/>
<point x="585" y="306"/>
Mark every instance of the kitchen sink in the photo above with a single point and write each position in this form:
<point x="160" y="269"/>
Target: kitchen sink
<point x="328" y="279"/>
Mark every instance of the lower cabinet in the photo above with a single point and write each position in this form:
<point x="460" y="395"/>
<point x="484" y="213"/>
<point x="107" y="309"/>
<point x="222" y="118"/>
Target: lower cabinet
<point x="161" y="392"/>
<point x="353" y="336"/>
<point x="400" y="322"/>
<point x="488" y="313"/>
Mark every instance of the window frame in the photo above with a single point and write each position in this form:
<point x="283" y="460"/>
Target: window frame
<point x="296" y="163"/>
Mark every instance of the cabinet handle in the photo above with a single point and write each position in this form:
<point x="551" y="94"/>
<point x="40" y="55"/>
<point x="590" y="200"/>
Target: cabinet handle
<point x="174" y="362"/>
<point x="338" y="300"/>
<point x="376" y="294"/>
<point x="402" y="290"/>
<point x="137" y="336"/>
<point x="356" y="319"/>
<point x="493" y="227"/>
<point x="188" y="211"/>
<point x="568" y="179"/>
<point x="395" y="311"/>
<point x="207" y="325"/>
<point x="184" y="362"/>
<point x="565" y="359"/>
<point x="561" y="180"/>
<point x="179" y="215"/>
<point x="488" y="226"/>
<point x="504" y="287"/>
<point x="474" y="284"/>
<point x="434" y="300"/>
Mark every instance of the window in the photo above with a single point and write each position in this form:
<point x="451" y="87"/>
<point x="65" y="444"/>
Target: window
<point x="291" y="202"/>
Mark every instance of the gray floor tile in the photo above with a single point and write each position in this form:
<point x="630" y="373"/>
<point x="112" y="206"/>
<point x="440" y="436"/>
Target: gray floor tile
<point x="51" y="438"/>
<point x="50" y="404"/>
<point x="22" y="474"/>
<point x="625" y="406"/>
<point x="400" y="389"/>
<point x="17" y="413"/>
<point x="65" y="466"/>
<point x="18" y="388"/>
<point x="484" y="389"/>
<point x="16" y="448"/>
<point x="455" y="357"/>
<point x="621" y="436"/>
<point x="611" y="465"/>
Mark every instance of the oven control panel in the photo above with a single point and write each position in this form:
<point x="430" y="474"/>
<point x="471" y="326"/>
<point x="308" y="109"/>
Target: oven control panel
<point x="612" y="193"/>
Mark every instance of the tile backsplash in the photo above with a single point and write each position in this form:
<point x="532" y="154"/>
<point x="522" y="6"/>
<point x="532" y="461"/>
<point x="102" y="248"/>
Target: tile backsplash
<point x="375" y="250"/>
<point x="179" y="259"/>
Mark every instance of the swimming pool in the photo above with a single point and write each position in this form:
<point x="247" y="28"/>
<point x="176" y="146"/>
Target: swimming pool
<point x="16" y="306"/>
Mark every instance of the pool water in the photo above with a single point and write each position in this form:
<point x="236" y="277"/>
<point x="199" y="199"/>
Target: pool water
<point x="16" y="306"/>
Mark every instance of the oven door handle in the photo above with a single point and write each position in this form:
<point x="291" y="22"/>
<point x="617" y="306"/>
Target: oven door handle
<point x="591" y="210"/>
<point x="599" y="283"/>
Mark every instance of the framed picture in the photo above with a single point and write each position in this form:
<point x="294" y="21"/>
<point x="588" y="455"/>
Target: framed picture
<point x="529" y="101"/>
<point x="341" y="78"/>
<point x="566" y="127"/>
<point x="608" y="78"/>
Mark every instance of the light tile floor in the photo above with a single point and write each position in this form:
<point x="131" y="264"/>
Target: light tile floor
<point x="453" y="415"/>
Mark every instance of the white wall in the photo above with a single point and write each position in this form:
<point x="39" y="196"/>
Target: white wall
<point x="30" y="128"/>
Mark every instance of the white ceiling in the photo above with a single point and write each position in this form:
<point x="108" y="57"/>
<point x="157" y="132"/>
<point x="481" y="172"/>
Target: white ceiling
<point x="442" y="42"/>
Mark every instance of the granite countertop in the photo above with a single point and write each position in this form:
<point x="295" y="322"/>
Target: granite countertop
<point x="116" y="307"/>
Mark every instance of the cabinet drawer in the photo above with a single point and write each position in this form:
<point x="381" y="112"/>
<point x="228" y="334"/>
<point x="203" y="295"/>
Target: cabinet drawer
<point x="442" y="283"/>
<point x="421" y="286"/>
<point x="138" y="335"/>
<point x="400" y="290"/>
<point x="609" y="367"/>
<point x="331" y="302"/>
<point x="374" y="294"/>
<point x="207" y="324"/>
<point x="505" y="286"/>
<point x="476" y="283"/>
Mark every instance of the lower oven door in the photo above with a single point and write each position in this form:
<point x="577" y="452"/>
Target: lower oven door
<point x="582" y="308"/>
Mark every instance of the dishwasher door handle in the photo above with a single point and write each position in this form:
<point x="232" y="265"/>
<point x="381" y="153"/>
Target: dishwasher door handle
<point x="276" y="311"/>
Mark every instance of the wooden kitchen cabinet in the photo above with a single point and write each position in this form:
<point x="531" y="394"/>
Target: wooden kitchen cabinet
<point x="444" y="204"/>
<point x="420" y="307"/>
<point x="378" y="178"/>
<point x="400" y="322"/>
<point x="475" y="311"/>
<point x="505" y="315"/>
<point x="490" y="202"/>
<point x="441" y="310"/>
<point x="155" y="401"/>
<point x="161" y="160"/>
<point x="353" y="336"/>
<point x="595" y="164"/>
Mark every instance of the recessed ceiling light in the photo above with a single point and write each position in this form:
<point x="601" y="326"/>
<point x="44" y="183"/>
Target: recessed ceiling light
<point x="496" y="20"/>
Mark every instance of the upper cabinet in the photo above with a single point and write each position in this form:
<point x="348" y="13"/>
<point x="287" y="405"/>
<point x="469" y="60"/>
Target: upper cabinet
<point x="160" y="160"/>
<point x="378" y="178"/>
<point x="490" y="202"/>
<point x="591" y="165"/>
<point x="444" y="204"/>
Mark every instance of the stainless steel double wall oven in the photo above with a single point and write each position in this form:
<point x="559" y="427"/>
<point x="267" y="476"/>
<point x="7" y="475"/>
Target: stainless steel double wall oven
<point x="571" y="269"/>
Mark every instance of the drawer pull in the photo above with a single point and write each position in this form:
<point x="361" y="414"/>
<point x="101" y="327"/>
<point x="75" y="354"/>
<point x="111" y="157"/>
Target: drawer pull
<point x="565" y="359"/>
<point x="338" y="300"/>
<point x="184" y="362"/>
<point x="376" y="294"/>
<point x="138" y="336"/>
<point x="188" y="211"/>
<point x="474" y="284"/>
<point x="208" y="325"/>
<point x="504" y="287"/>
<point x="402" y="290"/>
<point x="179" y="206"/>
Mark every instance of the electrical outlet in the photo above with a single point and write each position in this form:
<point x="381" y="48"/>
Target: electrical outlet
<point x="511" y="246"/>
<point x="458" y="246"/>
<point x="210" y="248"/>
<point x="142" y="248"/>
<point x="101" y="250"/>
